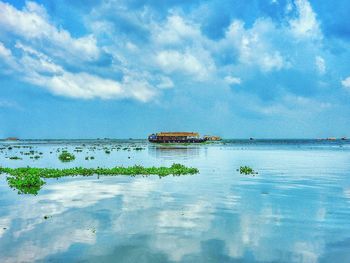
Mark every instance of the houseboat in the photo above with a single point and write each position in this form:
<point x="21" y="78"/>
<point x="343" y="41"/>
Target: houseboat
<point x="176" y="137"/>
<point x="212" y="138"/>
<point x="12" y="139"/>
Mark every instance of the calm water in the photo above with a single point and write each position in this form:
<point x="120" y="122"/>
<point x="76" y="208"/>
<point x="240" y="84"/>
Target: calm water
<point x="296" y="210"/>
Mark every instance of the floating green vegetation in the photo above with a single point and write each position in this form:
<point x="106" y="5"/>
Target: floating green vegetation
<point x="26" y="183"/>
<point x="66" y="157"/>
<point x="15" y="158"/>
<point x="246" y="170"/>
<point x="29" y="180"/>
<point x="138" y="149"/>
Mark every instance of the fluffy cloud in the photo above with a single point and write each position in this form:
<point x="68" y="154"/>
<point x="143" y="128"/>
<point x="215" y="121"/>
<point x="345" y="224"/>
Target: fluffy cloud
<point x="38" y="69"/>
<point x="44" y="68"/>
<point x="32" y="24"/>
<point x="165" y="83"/>
<point x="306" y="24"/>
<point x="346" y="83"/>
<point x="320" y="64"/>
<point x="182" y="48"/>
<point x="174" y="61"/>
<point x="254" y="46"/>
<point x="6" y="57"/>
<point x="144" y="47"/>
<point x="4" y="52"/>
<point x="86" y="86"/>
<point x="175" y="31"/>
<point x="232" y="80"/>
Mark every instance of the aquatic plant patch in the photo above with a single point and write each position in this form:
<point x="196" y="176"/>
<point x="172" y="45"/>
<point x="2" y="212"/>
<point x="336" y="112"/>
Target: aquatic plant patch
<point x="15" y="158"/>
<point x="138" y="148"/>
<point x="246" y="170"/>
<point x="66" y="157"/>
<point x="28" y="180"/>
<point x="26" y="183"/>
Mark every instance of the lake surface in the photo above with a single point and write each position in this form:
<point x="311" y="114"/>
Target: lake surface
<point x="297" y="209"/>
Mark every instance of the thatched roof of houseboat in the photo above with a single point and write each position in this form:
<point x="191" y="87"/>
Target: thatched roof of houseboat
<point x="190" y="134"/>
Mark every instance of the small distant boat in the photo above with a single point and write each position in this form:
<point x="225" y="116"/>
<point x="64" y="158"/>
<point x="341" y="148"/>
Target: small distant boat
<point x="344" y="138"/>
<point x="176" y="137"/>
<point x="12" y="139"/>
<point x="212" y="138"/>
<point x="331" y="139"/>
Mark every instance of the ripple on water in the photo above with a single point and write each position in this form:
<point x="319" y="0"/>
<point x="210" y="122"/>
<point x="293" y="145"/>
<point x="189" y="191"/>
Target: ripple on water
<point x="295" y="210"/>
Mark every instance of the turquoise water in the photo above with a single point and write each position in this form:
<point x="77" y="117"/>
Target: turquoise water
<point x="297" y="209"/>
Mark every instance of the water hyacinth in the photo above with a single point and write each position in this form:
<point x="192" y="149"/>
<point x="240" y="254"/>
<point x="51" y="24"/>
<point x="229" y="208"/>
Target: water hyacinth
<point x="28" y="180"/>
<point x="15" y="158"/>
<point x="247" y="170"/>
<point x="66" y="157"/>
<point x="26" y="183"/>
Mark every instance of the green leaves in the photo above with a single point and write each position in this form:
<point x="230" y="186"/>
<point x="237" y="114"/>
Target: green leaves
<point x="247" y="170"/>
<point x="15" y="158"/>
<point x="26" y="183"/>
<point x="29" y="180"/>
<point x="66" y="157"/>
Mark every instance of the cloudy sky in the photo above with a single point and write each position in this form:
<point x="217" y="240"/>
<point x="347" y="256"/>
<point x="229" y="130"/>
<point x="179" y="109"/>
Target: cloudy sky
<point x="127" y="68"/>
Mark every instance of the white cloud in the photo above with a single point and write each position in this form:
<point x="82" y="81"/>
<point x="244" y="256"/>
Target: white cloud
<point x="31" y="23"/>
<point x="87" y="86"/>
<point x="175" y="47"/>
<point x="32" y="26"/>
<point x="320" y="64"/>
<point x="4" y="52"/>
<point x="56" y="202"/>
<point x="290" y="105"/>
<point x="185" y="218"/>
<point x="8" y="104"/>
<point x="232" y="80"/>
<point x="182" y="48"/>
<point x="288" y="7"/>
<point x="306" y="24"/>
<point x="175" y="30"/>
<point x="39" y="69"/>
<point x="165" y="83"/>
<point x="199" y="66"/>
<point x="254" y="45"/>
<point x="35" y="61"/>
<point x="6" y="57"/>
<point x="346" y="83"/>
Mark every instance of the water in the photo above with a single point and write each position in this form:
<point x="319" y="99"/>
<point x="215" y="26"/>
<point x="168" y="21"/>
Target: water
<point x="297" y="209"/>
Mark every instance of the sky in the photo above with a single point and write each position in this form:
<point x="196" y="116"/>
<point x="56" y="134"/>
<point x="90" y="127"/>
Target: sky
<point x="128" y="68"/>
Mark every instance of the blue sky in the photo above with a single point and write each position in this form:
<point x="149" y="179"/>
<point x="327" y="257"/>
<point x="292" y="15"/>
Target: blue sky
<point x="127" y="68"/>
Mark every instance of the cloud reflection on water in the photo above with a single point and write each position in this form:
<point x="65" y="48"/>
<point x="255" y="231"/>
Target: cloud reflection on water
<point x="281" y="215"/>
